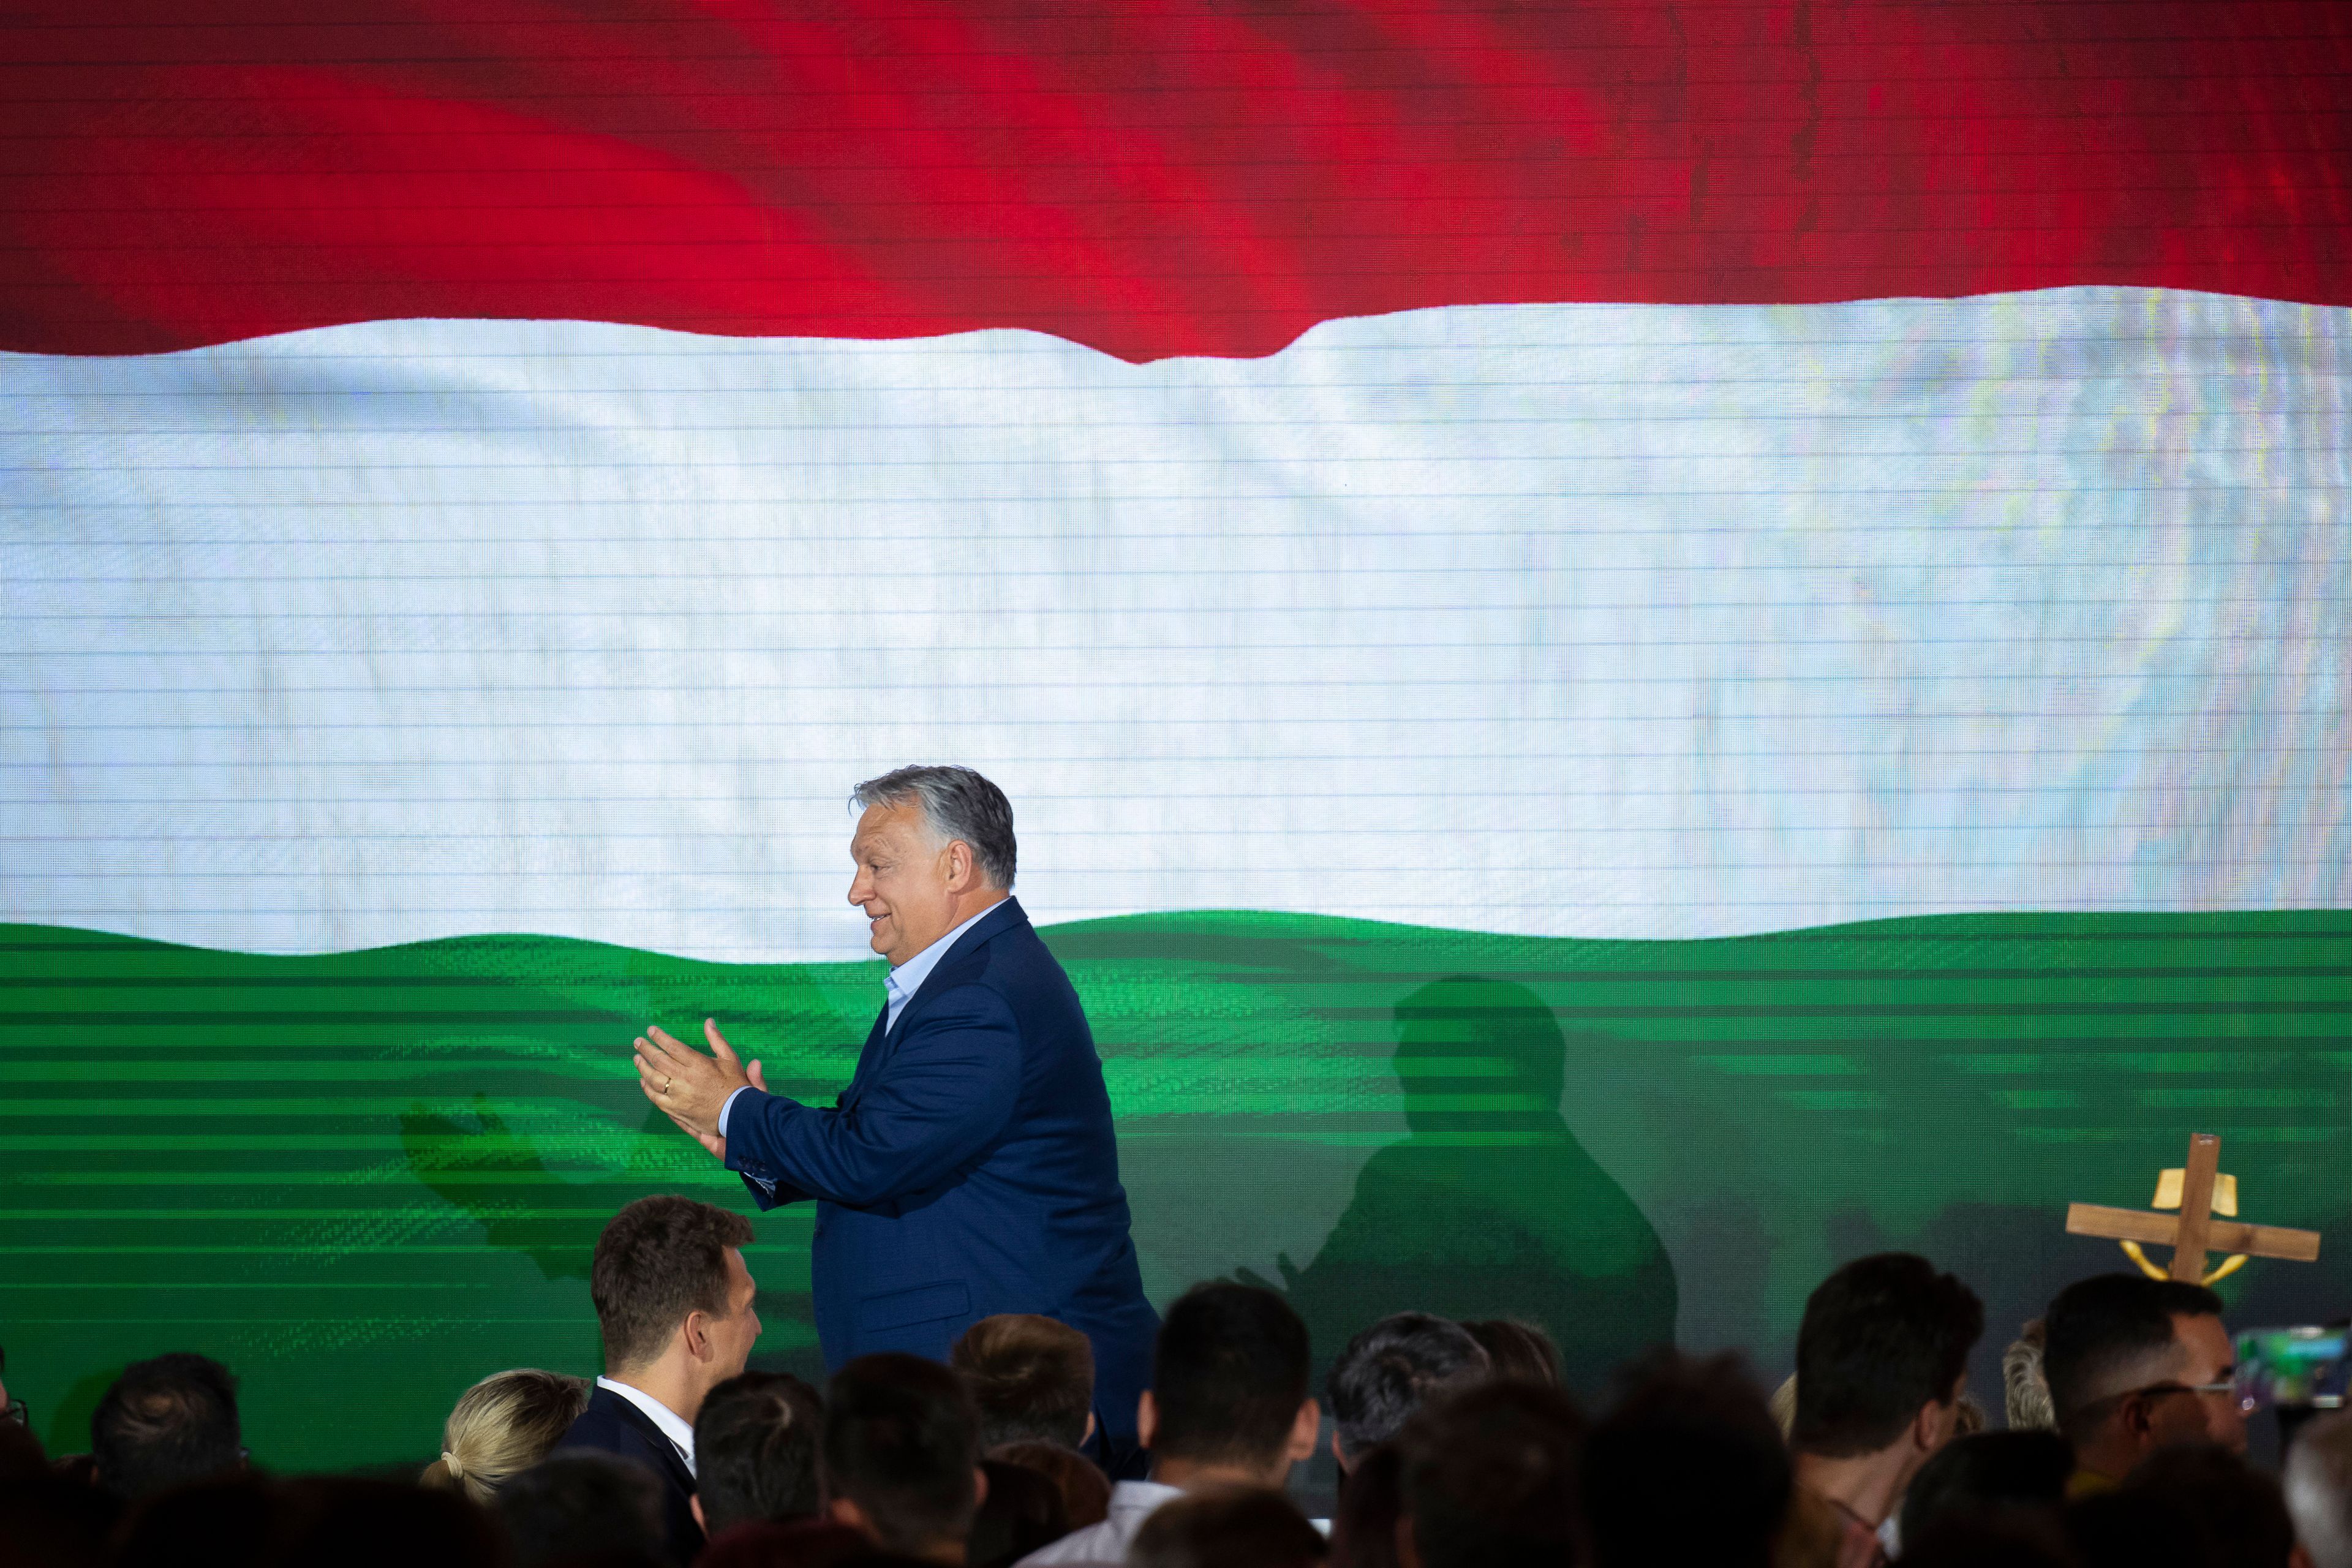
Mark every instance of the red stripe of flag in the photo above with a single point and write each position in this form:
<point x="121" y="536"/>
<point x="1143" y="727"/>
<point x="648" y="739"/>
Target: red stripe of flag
<point x="1149" y="177"/>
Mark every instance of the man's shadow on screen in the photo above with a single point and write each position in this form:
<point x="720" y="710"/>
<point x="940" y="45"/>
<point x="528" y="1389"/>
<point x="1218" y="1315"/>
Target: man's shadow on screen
<point x="1490" y="1208"/>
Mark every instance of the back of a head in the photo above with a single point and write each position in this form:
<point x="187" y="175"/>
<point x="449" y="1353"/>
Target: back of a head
<point x="332" y="1522"/>
<point x="1491" y="1478"/>
<point x="658" y="1259"/>
<point x="503" y="1425"/>
<point x="1031" y="1377"/>
<point x="1881" y="1337"/>
<point x="2319" y="1489"/>
<point x="795" y="1543"/>
<point x="1682" y="1431"/>
<point x="1518" y="1350"/>
<point x="582" y="1505"/>
<point x="755" y="1450"/>
<point x="2108" y="1334"/>
<point x="1021" y="1512"/>
<point x="2238" y="1513"/>
<point x="1086" y="1491"/>
<point x="2022" y="1542"/>
<point x="228" y="1521"/>
<point x="1392" y="1369"/>
<point x="1987" y="1476"/>
<point x="2024" y="1391"/>
<point x="1228" y="1376"/>
<point x="164" y="1423"/>
<point x="2120" y="1530"/>
<point x="902" y="1442"/>
<point x="1363" y="1528"/>
<point x="1245" y="1527"/>
<point x="50" y="1521"/>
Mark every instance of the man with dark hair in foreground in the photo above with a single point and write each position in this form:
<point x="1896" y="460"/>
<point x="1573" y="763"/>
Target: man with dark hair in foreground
<point x="584" y="1504"/>
<point x="1227" y="1527"/>
<point x="2135" y="1364"/>
<point x="674" y="1301"/>
<point x="1491" y="1481"/>
<point x="755" y="1448"/>
<point x="1032" y="1378"/>
<point x="165" y="1422"/>
<point x="1228" y="1406"/>
<point x="1688" y="1469"/>
<point x="1882" y="1356"/>
<point x="1391" y="1370"/>
<point x="902" y="1455"/>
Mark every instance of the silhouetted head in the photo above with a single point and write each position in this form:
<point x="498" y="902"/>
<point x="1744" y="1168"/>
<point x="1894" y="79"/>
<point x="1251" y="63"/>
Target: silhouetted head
<point x="1691" y="1442"/>
<point x="1986" y="1477"/>
<point x="1245" y="1527"/>
<point x="1030" y="1375"/>
<point x="1491" y="1479"/>
<point x="755" y="1450"/>
<point x="1022" y="1512"/>
<point x="584" y="1504"/>
<point x="1881" y="1354"/>
<point x="1391" y="1369"/>
<point x="1472" y="1051"/>
<point x="2134" y="1365"/>
<point x="165" y="1422"/>
<point x="902" y="1451"/>
<point x="1229" y="1378"/>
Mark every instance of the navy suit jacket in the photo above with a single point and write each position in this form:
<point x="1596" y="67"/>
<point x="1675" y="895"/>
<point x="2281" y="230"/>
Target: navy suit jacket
<point x="968" y="1169"/>
<point x="616" y="1426"/>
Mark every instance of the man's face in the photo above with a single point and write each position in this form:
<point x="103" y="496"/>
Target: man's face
<point x="733" y="1335"/>
<point x="2205" y="1357"/>
<point x="901" y="881"/>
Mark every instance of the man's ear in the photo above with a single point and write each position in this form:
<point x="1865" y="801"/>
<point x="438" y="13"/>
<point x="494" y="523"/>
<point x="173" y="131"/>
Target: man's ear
<point x="1305" y="1427"/>
<point x="1090" y="1430"/>
<point x="1147" y="1419"/>
<point x="1338" y="1457"/>
<point x="1928" y="1427"/>
<point x="695" y="1332"/>
<point x="978" y="1487"/>
<point x="694" y="1501"/>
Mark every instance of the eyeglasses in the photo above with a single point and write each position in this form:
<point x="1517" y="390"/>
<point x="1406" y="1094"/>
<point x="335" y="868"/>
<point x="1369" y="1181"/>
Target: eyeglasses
<point x="2246" y="1403"/>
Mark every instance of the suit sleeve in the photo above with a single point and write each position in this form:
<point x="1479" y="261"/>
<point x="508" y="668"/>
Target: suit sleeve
<point x="946" y="1093"/>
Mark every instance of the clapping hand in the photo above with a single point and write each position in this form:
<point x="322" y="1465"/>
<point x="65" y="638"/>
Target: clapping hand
<point x="689" y="1088"/>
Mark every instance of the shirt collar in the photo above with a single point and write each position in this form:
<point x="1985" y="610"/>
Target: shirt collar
<point x="906" y="978"/>
<point x="680" y="1432"/>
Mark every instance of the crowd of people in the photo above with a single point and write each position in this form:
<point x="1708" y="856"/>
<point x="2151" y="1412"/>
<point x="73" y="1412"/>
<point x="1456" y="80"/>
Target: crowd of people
<point x="1457" y="1445"/>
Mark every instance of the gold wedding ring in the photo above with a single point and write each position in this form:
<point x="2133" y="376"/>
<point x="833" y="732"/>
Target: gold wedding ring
<point x="666" y="1083"/>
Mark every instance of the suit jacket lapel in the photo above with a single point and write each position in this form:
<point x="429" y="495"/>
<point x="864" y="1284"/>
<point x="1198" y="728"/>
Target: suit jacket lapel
<point x="886" y="1036"/>
<point x="983" y="930"/>
<point x="867" y="1055"/>
<point x="663" y="1449"/>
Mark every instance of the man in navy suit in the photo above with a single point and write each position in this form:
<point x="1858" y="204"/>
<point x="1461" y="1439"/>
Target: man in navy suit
<point x="674" y="1302"/>
<point x="970" y="1168"/>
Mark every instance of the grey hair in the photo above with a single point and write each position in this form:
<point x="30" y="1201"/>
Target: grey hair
<point x="959" y="804"/>
<point x="2319" y="1489"/>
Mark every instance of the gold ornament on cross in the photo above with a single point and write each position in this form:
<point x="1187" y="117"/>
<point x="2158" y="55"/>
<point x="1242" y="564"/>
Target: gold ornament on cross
<point x="2199" y="1191"/>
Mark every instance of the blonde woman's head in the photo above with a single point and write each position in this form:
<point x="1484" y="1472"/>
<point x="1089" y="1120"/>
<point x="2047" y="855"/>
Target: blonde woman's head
<point x="504" y="1424"/>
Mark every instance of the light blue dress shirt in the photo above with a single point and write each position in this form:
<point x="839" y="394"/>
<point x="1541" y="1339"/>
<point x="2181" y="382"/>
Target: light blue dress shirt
<point x="899" y="985"/>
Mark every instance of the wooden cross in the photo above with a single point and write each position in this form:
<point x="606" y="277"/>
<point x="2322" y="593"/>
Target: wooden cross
<point x="2196" y="1232"/>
